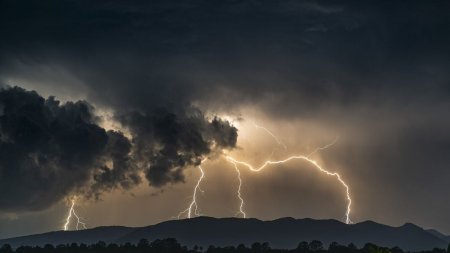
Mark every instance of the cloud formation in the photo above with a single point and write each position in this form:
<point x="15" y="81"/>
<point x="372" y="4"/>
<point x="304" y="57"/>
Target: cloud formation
<point x="47" y="149"/>
<point x="166" y="143"/>
<point x="50" y="149"/>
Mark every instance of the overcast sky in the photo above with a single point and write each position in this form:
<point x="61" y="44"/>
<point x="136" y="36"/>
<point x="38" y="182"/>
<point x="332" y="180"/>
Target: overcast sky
<point x="117" y="103"/>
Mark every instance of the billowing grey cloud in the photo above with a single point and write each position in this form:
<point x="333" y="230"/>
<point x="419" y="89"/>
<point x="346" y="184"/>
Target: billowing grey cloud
<point x="49" y="150"/>
<point x="123" y="172"/>
<point x="173" y="141"/>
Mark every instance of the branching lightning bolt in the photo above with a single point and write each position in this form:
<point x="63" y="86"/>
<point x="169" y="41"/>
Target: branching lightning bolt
<point x="305" y="158"/>
<point x="193" y="206"/>
<point x="69" y="217"/>
<point x="271" y="134"/>
<point x="324" y="147"/>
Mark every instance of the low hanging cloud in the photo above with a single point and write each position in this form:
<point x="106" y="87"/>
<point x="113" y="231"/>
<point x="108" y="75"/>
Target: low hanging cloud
<point x="49" y="149"/>
<point x="167" y="143"/>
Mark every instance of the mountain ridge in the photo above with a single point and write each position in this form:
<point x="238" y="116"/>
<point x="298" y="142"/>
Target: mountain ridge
<point x="284" y="232"/>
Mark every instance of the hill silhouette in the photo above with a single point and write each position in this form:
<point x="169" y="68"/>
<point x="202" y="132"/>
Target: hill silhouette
<point x="280" y="233"/>
<point x="439" y="235"/>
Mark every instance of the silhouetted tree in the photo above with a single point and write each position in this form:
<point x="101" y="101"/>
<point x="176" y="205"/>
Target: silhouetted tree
<point x="172" y="246"/>
<point x="303" y="247"/>
<point x="438" y="250"/>
<point x="143" y="245"/>
<point x="113" y="248"/>
<point x="315" y="245"/>
<point x="49" y="248"/>
<point x="448" y="248"/>
<point x="99" y="247"/>
<point x="370" y="248"/>
<point x="396" y="250"/>
<point x="333" y="246"/>
<point x="241" y="248"/>
<point x="229" y="249"/>
<point x="256" y="247"/>
<point x="211" y="249"/>
<point x="83" y="247"/>
<point x="6" y="248"/>
<point x="24" y="249"/>
<point x="337" y="248"/>
<point x="127" y="247"/>
<point x="61" y="248"/>
<point x="265" y="246"/>
<point x="169" y="245"/>
<point x="196" y="248"/>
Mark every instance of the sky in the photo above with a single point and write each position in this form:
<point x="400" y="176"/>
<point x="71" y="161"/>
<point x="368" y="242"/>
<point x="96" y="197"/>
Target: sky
<point x="116" y="104"/>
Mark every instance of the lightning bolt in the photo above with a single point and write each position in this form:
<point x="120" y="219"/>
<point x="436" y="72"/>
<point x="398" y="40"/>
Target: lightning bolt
<point x="307" y="159"/>
<point x="271" y="134"/>
<point x="324" y="147"/>
<point x="193" y="206"/>
<point x="241" y="205"/>
<point x="69" y="217"/>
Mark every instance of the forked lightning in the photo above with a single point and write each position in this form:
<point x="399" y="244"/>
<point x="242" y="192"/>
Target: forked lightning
<point x="307" y="159"/>
<point x="69" y="217"/>
<point x="193" y="205"/>
<point x="188" y="211"/>
<point x="271" y="134"/>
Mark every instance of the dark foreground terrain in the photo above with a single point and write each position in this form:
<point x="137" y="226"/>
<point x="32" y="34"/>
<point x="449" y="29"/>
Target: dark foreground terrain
<point x="171" y="245"/>
<point x="285" y="233"/>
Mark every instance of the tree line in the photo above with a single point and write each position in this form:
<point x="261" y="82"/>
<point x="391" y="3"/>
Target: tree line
<point x="171" y="245"/>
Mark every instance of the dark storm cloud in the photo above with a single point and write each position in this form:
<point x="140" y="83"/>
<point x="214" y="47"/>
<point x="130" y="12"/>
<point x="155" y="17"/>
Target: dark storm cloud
<point x="176" y="141"/>
<point x="123" y="172"/>
<point x="46" y="149"/>
<point x="164" y="141"/>
<point x="160" y="53"/>
<point x="49" y="150"/>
